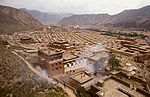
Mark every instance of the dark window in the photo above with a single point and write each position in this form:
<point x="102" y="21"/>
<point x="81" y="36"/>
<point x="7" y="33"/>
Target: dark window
<point x="57" y="64"/>
<point x="52" y="65"/>
<point x="67" y="65"/>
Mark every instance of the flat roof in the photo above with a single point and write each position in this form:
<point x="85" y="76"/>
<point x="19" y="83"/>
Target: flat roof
<point x="69" y="56"/>
<point x="81" y="77"/>
<point x="111" y="89"/>
<point x="49" y="52"/>
<point x="97" y="56"/>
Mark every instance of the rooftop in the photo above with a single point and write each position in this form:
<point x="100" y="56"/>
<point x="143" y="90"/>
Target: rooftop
<point x="81" y="77"/>
<point x="97" y="56"/>
<point x="68" y="56"/>
<point x="50" y="52"/>
<point x="121" y="86"/>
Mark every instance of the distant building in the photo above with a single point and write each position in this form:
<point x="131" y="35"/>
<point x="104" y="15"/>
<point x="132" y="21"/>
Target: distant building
<point x="142" y="58"/>
<point x="51" y="61"/>
<point x="26" y="40"/>
<point x="61" y="45"/>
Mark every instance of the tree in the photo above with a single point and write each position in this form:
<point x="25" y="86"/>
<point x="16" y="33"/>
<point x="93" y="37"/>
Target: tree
<point x="82" y="92"/>
<point x="114" y="62"/>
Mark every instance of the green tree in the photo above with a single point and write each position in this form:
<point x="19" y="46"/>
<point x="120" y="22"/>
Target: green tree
<point x="82" y="92"/>
<point x="114" y="62"/>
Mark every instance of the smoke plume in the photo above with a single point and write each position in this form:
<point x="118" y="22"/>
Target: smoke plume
<point x="43" y="76"/>
<point x="93" y="58"/>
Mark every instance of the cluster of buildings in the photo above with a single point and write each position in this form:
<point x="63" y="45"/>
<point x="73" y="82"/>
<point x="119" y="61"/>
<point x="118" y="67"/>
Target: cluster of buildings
<point x="59" y="50"/>
<point x="120" y="85"/>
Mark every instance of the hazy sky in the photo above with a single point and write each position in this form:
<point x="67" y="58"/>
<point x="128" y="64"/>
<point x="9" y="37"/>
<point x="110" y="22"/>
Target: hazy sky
<point x="77" y="6"/>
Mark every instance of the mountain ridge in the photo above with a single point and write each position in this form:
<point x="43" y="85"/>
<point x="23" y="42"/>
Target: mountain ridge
<point x="13" y="19"/>
<point x="136" y="19"/>
<point x="46" y="18"/>
<point x="84" y="19"/>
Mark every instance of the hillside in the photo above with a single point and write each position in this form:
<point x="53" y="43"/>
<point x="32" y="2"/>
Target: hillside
<point x="17" y="80"/>
<point x="87" y="19"/>
<point x="12" y="19"/>
<point x="46" y="18"/>
<point x="134" y="19"/>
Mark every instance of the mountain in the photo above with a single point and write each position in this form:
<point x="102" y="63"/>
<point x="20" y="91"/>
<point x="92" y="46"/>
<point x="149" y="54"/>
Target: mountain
<point x="135" y="19"/>
<point x="12" y="19"/>
<point x="138" y="19"/>
<point x="47" y="18"/>
<point x="86" y="19"/>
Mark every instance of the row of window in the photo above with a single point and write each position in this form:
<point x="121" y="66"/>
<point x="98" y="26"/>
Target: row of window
<point x="70" y="64"/>
<point x="56" y="64"/>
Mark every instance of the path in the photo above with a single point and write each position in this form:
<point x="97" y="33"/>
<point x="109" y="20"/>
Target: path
<point x="67" y="90"/>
